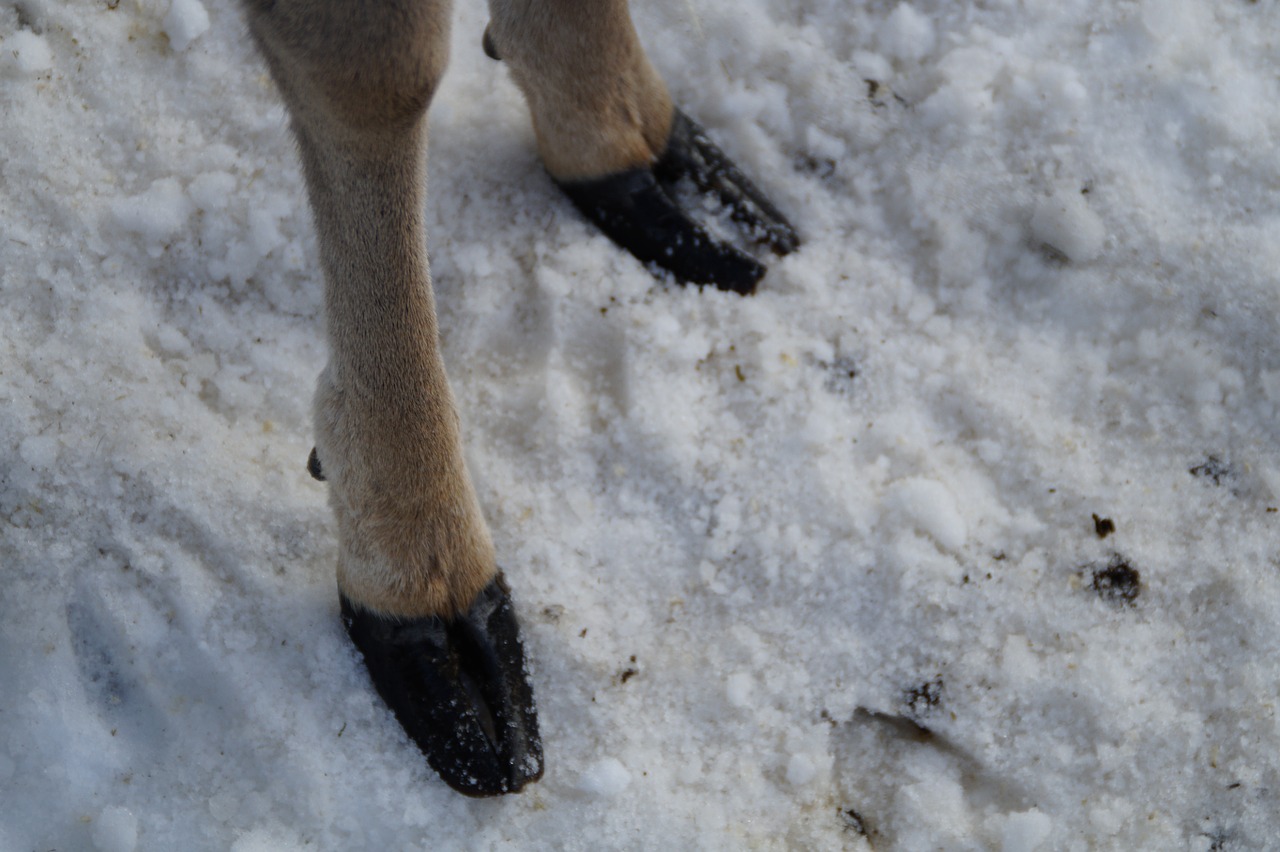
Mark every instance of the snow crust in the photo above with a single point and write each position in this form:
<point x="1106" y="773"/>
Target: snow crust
<point x="961" y="534"/>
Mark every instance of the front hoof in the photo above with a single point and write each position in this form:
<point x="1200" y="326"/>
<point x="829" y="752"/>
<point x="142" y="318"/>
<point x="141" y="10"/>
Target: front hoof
<point x="459" y="689"/>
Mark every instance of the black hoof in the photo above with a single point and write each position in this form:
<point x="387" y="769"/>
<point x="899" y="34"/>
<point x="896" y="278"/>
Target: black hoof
<point x="313" y="466"/>
<point x="635" y="209"/>
<point x="638" y="214"/>
<point x="691" y="153"/>
<point x="459" y="689"/>
<point x="486" y="42"/>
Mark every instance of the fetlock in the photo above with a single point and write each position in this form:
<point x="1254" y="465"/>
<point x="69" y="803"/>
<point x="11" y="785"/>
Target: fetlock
<point x="599" y="107"/>
<point x="412" y="540"/>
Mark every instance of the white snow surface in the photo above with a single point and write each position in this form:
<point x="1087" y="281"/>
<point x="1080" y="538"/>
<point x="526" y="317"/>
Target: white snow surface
<point x="841" y="533"/>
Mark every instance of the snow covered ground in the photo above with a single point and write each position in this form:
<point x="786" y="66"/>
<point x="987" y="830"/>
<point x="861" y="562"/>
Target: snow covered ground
<point x="962" y="534"/>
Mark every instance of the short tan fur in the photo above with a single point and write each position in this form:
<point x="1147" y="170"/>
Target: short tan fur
<point x="357" y="78"/>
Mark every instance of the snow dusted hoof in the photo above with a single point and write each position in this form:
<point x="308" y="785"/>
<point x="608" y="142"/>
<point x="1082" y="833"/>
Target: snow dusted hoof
<point x="691" y="153"/>
<point x="459" y="689"/>
<point x="635" y="209"/>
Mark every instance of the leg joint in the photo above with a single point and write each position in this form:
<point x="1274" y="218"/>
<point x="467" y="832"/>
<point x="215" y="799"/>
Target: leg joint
<point x="369" y="65"/>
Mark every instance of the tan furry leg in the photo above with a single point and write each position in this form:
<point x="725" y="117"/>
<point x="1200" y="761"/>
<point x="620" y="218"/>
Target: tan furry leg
<point x="599" y="107"/>
<point x="357" y="78"/>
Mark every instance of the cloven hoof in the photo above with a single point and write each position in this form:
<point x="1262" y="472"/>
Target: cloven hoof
<point x="459" y="689"/>
<point x="635" y="209"/>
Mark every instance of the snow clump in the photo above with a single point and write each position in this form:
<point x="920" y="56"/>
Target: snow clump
<point x="606" y="777"/>
<point x="26" y="53"/>
<point x="1064" y="222"/>
<point x="187" y="21"/>
<point x="907" y="35"/>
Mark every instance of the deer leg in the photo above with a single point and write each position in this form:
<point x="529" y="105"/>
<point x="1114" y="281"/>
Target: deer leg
<point x="421" y="596"/>
<point x="611" y="139"/>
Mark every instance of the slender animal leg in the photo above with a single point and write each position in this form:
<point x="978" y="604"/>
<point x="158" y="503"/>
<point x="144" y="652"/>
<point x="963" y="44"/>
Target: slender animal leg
<point x="421" y="596"/>
<point x="611" y="139"/>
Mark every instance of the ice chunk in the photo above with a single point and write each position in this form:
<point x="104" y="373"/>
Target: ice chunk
<point x="156" y="214"/>
<point x="1064" y="222"/>
<point x="738" y="689"/>
<point x="1018" y="661"/>
<point x="934" y="809"/>
<point x="27" y="52"/>
<point x="1025" y="832"/>
<point x="607" y="777"/>
<point x="801" y="770"/>
<point x="187" y="21"/>
<point x="210" y="191"/>
<point x="931" y="508"/>
<point x="906" y="34"/>
<point x="39" y="451"/>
